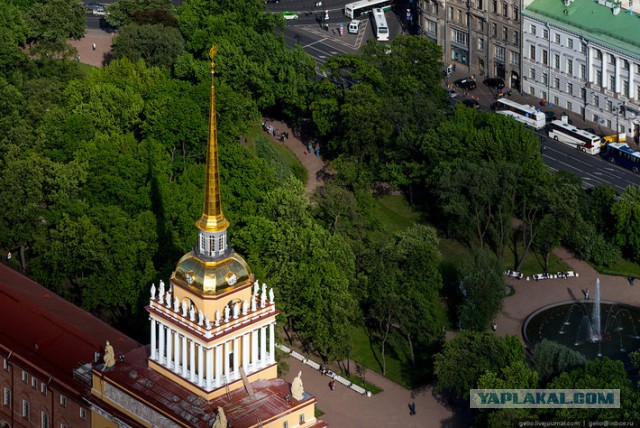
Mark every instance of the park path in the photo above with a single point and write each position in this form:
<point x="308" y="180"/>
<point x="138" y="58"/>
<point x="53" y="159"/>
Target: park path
<point x="84" y="46"/>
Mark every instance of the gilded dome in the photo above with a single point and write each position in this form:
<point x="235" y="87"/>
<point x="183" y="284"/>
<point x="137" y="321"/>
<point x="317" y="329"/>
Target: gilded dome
<point x="211" y="277"/>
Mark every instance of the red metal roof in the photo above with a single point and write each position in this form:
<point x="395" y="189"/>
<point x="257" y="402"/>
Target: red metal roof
<point x="48" y="332"/>
<point x="169" y="398"/>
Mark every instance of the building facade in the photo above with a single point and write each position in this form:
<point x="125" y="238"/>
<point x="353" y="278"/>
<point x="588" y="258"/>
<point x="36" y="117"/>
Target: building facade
<point x="481" y="37"/>
<point x="584" y="56"/>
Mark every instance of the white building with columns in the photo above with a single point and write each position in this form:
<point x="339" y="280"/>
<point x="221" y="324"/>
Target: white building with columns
<point x="584" y="56"/>
<point x="212" y="351"/>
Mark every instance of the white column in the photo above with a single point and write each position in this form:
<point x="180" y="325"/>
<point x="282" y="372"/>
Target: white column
<point x="200" y="365"/>
<point x="184" y="357"/>
<point x="603" y="67"/>
<point x="618" y="74"/>
<point x="192" y="360"/>
<point x="169" y="347"/>
<point x="245" y="352"/>
<point x="209" y="372"/>
<point x="177" y="341"/>
<point x="225" y="360"/>
<point x="161" y="344"/>
<point x="254" y="349"/>
<point x="590" y="72"/>
<point x="632" y="84"/>
<point x="236" y="354"/>
<point x="272" y="343"/>
<point x="263" y="346"/>
<point x="218" y="364"/>
<point x="154" y="345"/>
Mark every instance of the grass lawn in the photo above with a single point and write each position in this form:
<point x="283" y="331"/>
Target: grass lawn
<point x="394" y="212"/>
<point x="622" y="267"/>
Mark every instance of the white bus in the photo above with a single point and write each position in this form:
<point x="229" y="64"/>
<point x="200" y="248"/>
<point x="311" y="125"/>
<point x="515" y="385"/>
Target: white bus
<point x="526" y="114"/>
<point x="585" y="141"/>
<point x="354" y="10"/>
<point x="380" y="24"/>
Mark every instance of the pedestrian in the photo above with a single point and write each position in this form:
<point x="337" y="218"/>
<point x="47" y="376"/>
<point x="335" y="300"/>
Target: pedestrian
<point x="93" y="46"/>
<point x="631" y="280"/>
<point x="413" y="409"/>
<point x="317" y="152"/>
<point x="332" y="384"/>
<point x="310" y="148"/>
<point x="586" y="294"/>
<point x="494" y="326"/>
<point x="9" y="258"/>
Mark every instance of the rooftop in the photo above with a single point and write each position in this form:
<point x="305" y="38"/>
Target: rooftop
<point x="134" y="375"/>
<point x="593" y="21"/>
<point x="44" y="330"/>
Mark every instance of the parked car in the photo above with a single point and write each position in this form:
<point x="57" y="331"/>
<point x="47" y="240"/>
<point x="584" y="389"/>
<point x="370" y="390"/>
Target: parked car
<point x="471" y="103"/>
<point x="452" y="93"/>
<point x="466" y="83"/>
<point x="494" y="82"/>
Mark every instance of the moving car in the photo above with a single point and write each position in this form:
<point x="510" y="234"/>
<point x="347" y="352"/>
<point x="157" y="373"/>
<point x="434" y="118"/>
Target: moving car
<point x="494" y="82"/>
<point x="466" y="83"/>
<point x="354" y="26"/>
<point x="471" y="103"/>
<point x="290" y="15"/>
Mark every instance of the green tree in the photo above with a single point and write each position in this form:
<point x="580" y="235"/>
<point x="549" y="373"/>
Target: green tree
<point x="469" y="355"/>
<point x="483" y="289"/>
<point x="550" y="359"/>
<point x="51" y="23"/>
<point x="124" y="12"/>
<point x="626" y="213"/>
<point x="156" y="44"/>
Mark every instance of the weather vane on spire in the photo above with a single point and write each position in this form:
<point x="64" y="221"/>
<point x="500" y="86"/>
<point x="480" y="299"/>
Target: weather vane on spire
<point x="212" y="53"/>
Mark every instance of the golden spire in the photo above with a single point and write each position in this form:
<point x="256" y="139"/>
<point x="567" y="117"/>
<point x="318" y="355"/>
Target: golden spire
<point x="212" y="219"/>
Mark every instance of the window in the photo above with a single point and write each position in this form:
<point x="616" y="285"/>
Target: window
<point x="533" y="29"/>
<point x="625" y="64"/>
<point x="459" y="15"/>
<point x="532" y="73"/>
<point x="26" y="409"/>
<point x="494" y="30"/>
<point x="598" y="54"/>
<point x="43" y="388"/>
<point x="545" y="78"/>
<point x="596" y="118"/>
<point x="450" y="13"/>
<point x="596" y="101"/>
<point x="545" y="33"/>
<point x="612" y="82"/>
<point x="480" y="44"/>
<point x="556" y="61"/>
<point x="500" y="53"/>
<point x="516" y="13"/>
<point x="63" y="401"/>
<point x="599" y="78"/>
<point x="582" y="111"/>
<point x="612" y="59"/>
<point x="480" y="24"/>
<point x="45" y="420"/>
<point x="285" y="424"/>
<point x="569" y="106"/>
<point x="25" y="376"/>
<point x="583" y="71"/>
<point x="532" y="91"/>
<point x="608" y="123"/>
<point x="543" y="95"/>
<point x="570" y="67"/>
<point x="609" y="105"/>
<point x="556" y="101"/>
<point x="516" y="38"/>
<point x="432" y="28"/>
<point x="505" y="8"/>
<point x="570" y="43"/>
<point x="6" y="397"/>
<point x="515" y="58"/>
<point x="34" y="382"/>
<point x="583" y="49"/>
<point x="504" y="34"/>
<point x="459" y="37"/>
<point x="545" y="57"/>
<point x="638" y="92"/>
<point x="556" y="83"/>
<point x="532" y="52"/>
<point x="557" y="38"/>
<point x="83" y="413"/>
<point x="570" y="88"/>
<point x="302" y="418"/>
<point x="480" y="5"/>
<point x="5" y="364"/>
<point x="494" y="6"/>
<point x="625" y="88"/>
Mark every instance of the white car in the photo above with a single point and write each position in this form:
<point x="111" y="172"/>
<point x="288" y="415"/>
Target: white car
<point x="452" y="93"/>
<point x="290" y="15"/>
<point x="98" y="11"/>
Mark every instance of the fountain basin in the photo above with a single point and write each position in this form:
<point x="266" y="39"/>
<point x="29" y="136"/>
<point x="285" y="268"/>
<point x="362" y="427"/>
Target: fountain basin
<point x="571" y="324"/>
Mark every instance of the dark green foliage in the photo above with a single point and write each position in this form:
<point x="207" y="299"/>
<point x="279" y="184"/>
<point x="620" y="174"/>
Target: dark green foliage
<point x="483" y="289"/>
<point x="156" y="44"/>
<point x="272" y="154"/>
<point x="550" y="359"/>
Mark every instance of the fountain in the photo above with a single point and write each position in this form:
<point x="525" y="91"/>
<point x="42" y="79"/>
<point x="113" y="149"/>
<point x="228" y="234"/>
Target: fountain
<point x="594" y="328"/>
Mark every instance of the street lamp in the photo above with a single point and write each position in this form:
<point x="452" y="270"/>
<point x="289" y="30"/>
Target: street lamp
<point x="348" y="352"/>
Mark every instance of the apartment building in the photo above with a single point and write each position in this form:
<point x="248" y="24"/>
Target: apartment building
<point x="482" y="37"/>
<point x="584" y="56"/>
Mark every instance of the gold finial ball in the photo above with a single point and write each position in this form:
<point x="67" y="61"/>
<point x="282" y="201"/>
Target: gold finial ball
<point x="213" y="52"/>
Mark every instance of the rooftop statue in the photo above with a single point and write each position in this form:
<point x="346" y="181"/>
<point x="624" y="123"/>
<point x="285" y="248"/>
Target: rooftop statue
<point x="109" y="356"/>
<point x="297" y="389"/>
